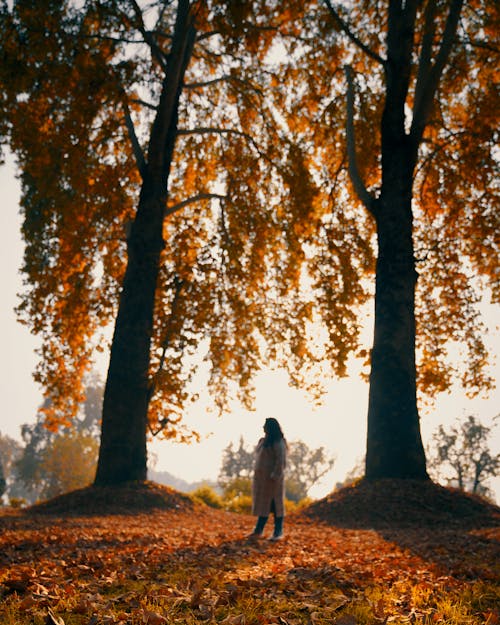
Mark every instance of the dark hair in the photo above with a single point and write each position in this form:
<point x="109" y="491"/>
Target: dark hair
<point x="273" y="432"/>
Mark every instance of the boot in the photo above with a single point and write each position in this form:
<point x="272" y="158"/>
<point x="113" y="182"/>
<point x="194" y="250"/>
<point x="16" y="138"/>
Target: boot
<point x="278" y="528"/>
<point x="259" y="527"/>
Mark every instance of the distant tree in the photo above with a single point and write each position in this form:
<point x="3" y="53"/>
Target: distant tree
<point x="236" y="463"/>
<point x="3" y="481"/>
<point x="305" y="467"/>
<point x="36" y="468"/>
<point x="67" y="463"/>
<point x="10" y="452"/>
<point x="462" y="455"/>
<point x="353" y="475"/>
<point x="89" y="416"/>
<point x="56" y="463"/>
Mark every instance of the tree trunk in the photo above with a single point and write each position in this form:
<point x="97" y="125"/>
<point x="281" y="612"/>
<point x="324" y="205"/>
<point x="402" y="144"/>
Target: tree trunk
<point x="123" y="453"/>
<point x="394" y="444"/>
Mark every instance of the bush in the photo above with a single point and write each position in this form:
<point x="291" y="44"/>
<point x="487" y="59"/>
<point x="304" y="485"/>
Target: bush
<point x="239" y="503"/>
<point x="17" y="502"/>
<point x="295" y="506"/>
<point x="208" y="496"/>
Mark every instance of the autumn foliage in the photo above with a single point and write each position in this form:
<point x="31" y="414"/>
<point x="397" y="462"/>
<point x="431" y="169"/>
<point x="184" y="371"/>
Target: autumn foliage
<point x="150" y="556"/>
<point x="222" y="180"/>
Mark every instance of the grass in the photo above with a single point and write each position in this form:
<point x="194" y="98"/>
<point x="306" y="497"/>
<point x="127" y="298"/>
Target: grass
<point x="189" y="564"/>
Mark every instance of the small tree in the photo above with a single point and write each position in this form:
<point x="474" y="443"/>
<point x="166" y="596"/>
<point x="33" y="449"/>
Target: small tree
<point x="463" y="456"/>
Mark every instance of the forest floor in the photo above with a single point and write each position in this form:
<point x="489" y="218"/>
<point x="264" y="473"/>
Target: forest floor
<point x="388" y="552"/>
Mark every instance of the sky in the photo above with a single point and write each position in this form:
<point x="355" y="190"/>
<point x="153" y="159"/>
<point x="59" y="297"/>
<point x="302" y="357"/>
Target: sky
<point x="338" y="424"/>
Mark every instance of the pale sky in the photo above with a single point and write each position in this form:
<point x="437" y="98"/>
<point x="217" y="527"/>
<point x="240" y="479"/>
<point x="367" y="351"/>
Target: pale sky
<point x="339" y="424"/>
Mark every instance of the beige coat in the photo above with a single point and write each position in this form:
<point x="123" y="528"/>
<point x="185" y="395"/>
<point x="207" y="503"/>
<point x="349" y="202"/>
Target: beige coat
<point x="269" y="479"/>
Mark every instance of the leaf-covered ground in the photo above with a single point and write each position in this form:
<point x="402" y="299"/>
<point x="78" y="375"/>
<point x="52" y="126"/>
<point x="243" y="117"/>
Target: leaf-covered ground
<point x="377" y="553"/>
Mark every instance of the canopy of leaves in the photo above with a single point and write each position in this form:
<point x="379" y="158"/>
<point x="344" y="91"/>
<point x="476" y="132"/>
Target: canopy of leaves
<point x="276" y="239"/>
<point x="456" y="185"/>
<point x="80" y="88"/>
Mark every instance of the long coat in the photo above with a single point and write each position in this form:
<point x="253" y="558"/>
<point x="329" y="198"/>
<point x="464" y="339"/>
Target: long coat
<point x="269" y="479"/>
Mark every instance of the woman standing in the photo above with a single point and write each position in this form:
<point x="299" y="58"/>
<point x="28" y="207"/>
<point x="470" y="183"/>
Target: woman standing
<point x="268" y="488"/>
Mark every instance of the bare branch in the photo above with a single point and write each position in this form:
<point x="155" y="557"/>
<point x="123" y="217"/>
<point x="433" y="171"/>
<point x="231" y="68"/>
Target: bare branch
<point x="357" y="182"/>
<point x="346" y="29"/>
<point x="140" y="159"/>
<point x="195" y="198"/>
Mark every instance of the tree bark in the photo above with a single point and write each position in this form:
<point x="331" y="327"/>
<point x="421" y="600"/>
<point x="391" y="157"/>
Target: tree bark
<point x="123" y="453"/>
<point x="394" y="444"/>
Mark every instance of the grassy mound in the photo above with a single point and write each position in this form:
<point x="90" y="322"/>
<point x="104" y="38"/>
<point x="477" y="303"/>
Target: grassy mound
<point x="380" y="504"/>
<point x="129" y="498"/>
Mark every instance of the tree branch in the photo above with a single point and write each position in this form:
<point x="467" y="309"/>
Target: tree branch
<point x="346" y="30"/>
<point x="207" y="35"/>
<point x="147" y="105"/>
<point x="357" y="182"/>
<point x="156" y="51"/>
<point x="225" y="78"/>
<point x="430" y="81"/>
<point x="425" y="59"/>
<point x="204" y="130"/>
<point x="164" y="129"/>
<point x="195" y="198"/>
<point x="136" y="146"/>
<point x="207" y="83"/>
<point x="177" y="285"/>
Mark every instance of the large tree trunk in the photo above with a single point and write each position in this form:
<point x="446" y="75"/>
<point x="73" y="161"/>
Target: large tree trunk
<point x="394" y="444"/>
<point x="123" y="453"/>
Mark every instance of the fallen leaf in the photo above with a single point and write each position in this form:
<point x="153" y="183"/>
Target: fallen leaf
<point x="153" y="618"/>
<point x="52" y="619"/>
